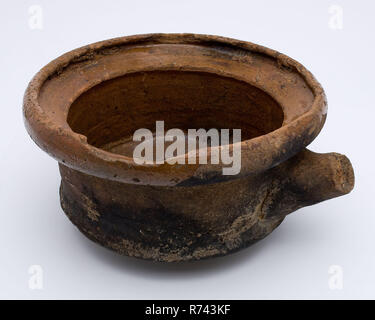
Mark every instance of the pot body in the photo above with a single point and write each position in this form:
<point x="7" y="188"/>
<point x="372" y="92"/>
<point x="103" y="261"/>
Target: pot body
<point x="168" y="223"/>
<point x="194" y="222"/>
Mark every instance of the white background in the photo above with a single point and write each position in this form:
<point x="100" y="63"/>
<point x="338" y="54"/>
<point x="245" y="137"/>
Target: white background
<point x="293" y="262"/>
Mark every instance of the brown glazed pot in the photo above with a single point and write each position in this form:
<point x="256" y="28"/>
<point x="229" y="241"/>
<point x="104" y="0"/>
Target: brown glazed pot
<point x="79" y="106"/>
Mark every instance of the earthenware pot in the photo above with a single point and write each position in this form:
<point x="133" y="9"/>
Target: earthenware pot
<point x="82" y="108"/>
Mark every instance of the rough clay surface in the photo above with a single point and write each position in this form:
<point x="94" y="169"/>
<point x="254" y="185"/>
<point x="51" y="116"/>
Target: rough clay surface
<point x="190" y="223"/>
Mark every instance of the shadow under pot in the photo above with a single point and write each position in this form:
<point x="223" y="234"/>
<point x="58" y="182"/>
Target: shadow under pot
<point x="84" y="107"/>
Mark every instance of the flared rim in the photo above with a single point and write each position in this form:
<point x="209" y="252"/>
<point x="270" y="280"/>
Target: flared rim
<point x="258" y="154"/>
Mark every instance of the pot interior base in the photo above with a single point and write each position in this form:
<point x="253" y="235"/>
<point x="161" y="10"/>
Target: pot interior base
<point x="112" y="111"/>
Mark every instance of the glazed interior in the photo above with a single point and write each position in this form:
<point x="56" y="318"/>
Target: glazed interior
<point x="114" y="109"/>
<point x="94" y="96"/>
